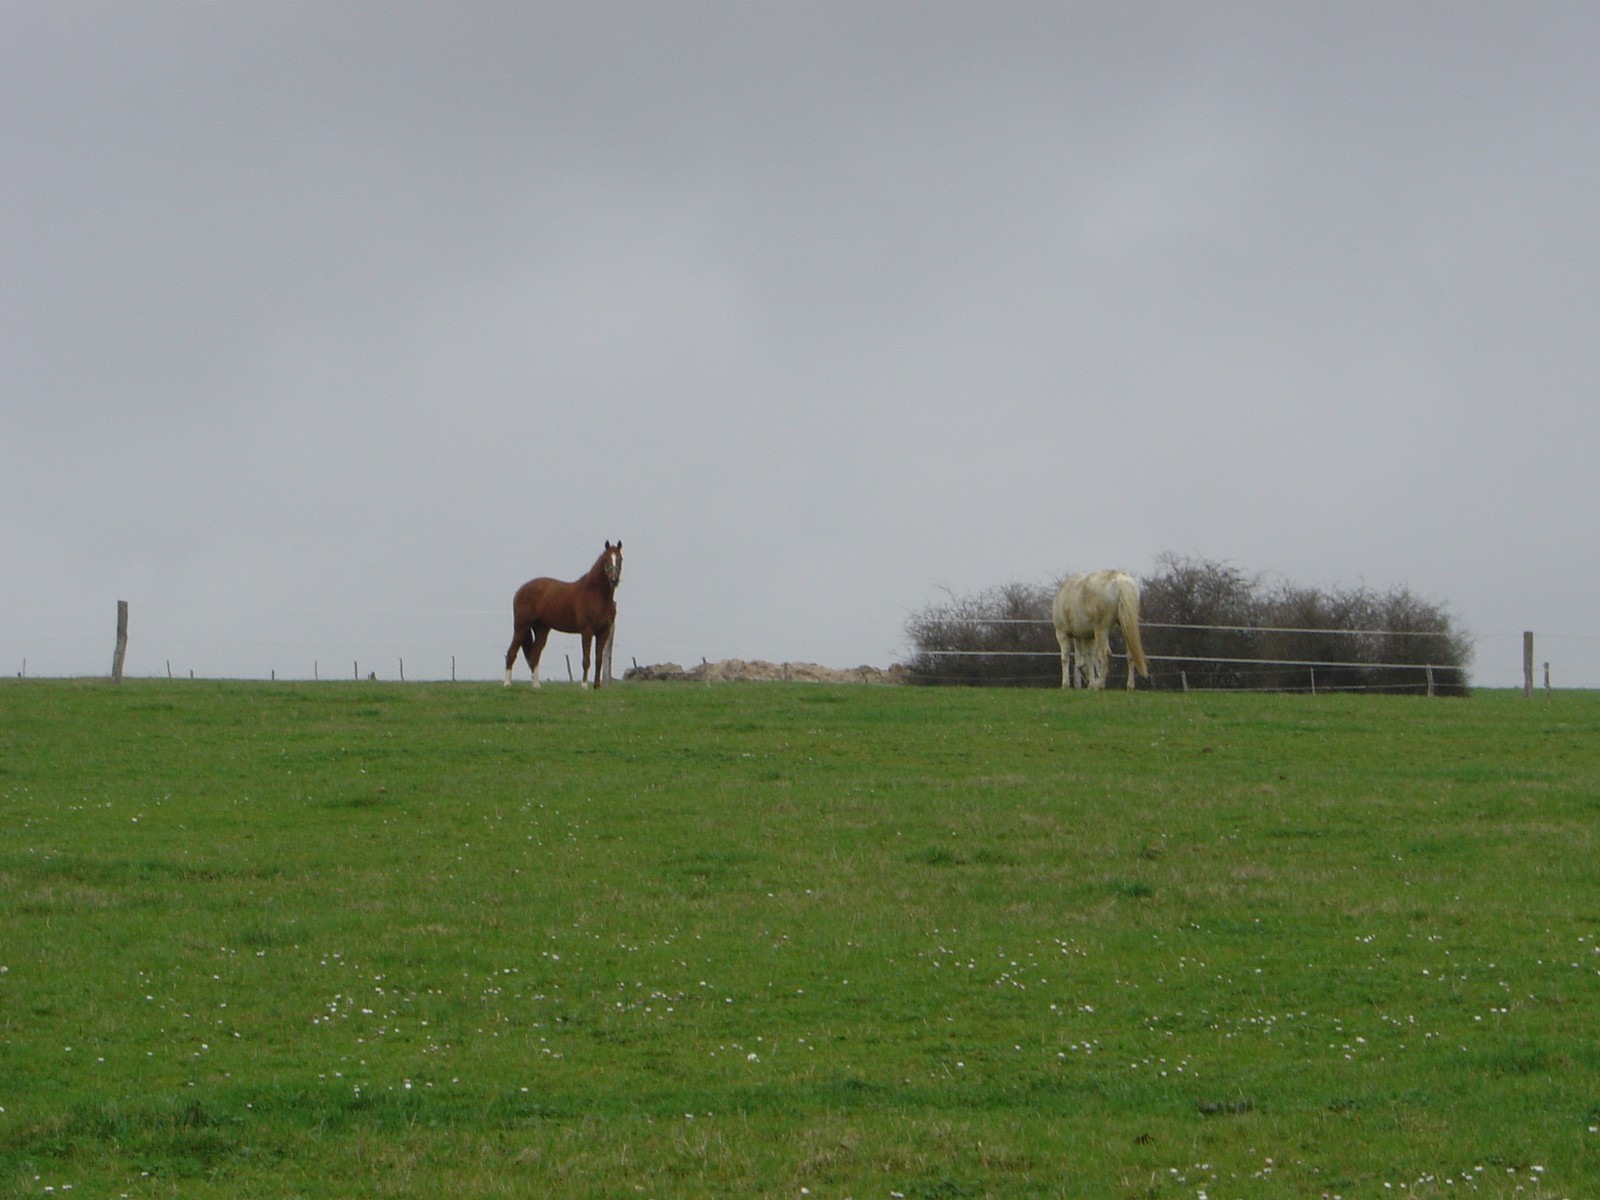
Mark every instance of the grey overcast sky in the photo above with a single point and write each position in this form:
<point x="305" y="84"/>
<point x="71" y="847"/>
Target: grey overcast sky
<point x="323" y="325"/>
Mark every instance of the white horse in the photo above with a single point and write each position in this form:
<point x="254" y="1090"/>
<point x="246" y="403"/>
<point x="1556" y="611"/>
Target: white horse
<point x="1085" y="609"/>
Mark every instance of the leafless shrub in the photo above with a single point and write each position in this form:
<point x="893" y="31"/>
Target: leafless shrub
<point x="1208" y="625"/>
<point x="998" y="637"/>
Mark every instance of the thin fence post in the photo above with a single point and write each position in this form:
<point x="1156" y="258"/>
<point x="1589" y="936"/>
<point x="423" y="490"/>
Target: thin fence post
<point x="122" y="642"/>
<point x="1430" y="679"/>
<point x="402" y="670"/>
<point x="569" y="669"/>
<point x="355" y="670"/>
<point x="1313" y="681"/>
<point x="1527" y="663"/>
<point x="1547" y="681"/>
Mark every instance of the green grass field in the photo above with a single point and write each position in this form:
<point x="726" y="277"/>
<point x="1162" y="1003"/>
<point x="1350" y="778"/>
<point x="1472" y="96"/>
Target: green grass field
<point x="336" y="940"/>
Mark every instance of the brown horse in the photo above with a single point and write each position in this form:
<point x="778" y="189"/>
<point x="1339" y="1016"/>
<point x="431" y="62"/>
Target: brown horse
<point x="586" y="606"/>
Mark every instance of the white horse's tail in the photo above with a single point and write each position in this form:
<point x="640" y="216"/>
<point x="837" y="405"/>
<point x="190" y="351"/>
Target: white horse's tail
<point x="1128" y="618"/>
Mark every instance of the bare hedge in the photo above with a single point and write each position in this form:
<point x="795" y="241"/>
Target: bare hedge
<point x="1207" y="624"/>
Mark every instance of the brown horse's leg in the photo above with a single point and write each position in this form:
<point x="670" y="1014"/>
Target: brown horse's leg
<point x="583" y="679"/>
<point x="521" y="639"/>
<point x="535" y="647"/>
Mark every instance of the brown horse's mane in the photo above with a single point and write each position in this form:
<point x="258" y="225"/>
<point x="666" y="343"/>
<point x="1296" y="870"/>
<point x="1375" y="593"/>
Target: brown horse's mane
<point x="596" y="574"/>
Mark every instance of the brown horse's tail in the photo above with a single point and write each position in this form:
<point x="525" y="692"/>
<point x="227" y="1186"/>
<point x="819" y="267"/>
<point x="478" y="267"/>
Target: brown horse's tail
<point x="1128" y="619"/>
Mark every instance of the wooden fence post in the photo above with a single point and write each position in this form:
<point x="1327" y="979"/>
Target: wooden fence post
<point x="122" y="642"/>
<point x="1527" y="663"/>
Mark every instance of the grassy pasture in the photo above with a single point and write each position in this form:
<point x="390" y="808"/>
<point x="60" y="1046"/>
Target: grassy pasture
<point x="386" y="940"/>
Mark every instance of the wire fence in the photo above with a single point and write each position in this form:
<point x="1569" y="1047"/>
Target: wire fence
<point x="330" y="643"/>
<point x="301" y="643"/>
<point x="1214" y="671"/>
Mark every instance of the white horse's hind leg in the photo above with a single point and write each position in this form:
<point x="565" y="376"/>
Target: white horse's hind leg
<point x="508" y="677"/>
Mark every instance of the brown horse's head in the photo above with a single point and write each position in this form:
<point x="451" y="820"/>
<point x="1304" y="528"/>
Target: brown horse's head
<point x="611" y="563"/>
